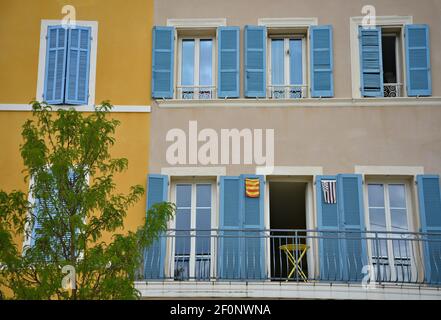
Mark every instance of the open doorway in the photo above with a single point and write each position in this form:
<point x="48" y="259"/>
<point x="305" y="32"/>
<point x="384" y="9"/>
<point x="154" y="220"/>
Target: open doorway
<point x="287" y="214"/>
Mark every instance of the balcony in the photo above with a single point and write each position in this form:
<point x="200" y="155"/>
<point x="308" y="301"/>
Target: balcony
<point x="287" y="91"/>
<point x="294" y="256"/>
<point x="393" y="90"/>
<point x="196" y="92"/>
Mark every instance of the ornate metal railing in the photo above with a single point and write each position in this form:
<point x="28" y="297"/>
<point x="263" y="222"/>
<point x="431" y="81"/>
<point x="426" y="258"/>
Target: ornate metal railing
<point x="287" y="91"/>
<point x="295" y="255"/>
<point x="196" y="92"/>
<point x="393" y="90"/>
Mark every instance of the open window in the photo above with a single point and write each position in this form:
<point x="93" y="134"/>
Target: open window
<point x="392" y="49"/>
<point x="394" y="60"/>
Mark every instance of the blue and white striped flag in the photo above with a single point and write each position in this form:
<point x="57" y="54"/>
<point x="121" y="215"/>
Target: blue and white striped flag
<point x="329" y="191"/>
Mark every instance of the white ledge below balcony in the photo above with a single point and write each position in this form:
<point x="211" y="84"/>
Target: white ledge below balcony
<point x="305" y="102"/>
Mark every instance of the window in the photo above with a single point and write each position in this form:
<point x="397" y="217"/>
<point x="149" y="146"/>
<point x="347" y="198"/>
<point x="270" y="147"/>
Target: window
<point x="193" y="245"/>
<point x="287" y="65"/>
<point x="391" y="250"/>
<point x="194" y="60"/>
<point x="392" y="62"/>
<point x="277" y="65"/>
<point x="66" y="74"/>
<point x="44" y="208"/>
<point x="394" y="59"/>
<point x="196" y="68"/>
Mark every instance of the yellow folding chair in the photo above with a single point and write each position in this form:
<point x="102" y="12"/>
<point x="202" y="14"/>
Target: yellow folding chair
<point x="289" y="250"/>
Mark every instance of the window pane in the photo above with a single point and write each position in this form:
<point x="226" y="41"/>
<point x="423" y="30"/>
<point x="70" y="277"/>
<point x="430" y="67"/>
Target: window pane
<point x="399" y="219"/>
<point x="203" y="222"/>
<point x="205" y="62"/>
<point x="203" y="195"/>
<point x="376" y="195"/>
<point x="377" y="219"/>
<point x="295" y="61"/>
<point x="183" y="219"/>
<point x="183" y="237"/>
<point x="277" y="62"/>
<point x="187" y="76"/>
<point x="183" y="195"/>
<point x="397" y="196"/>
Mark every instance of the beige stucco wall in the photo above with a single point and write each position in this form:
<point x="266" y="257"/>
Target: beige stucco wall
<point x="335" y="137"/>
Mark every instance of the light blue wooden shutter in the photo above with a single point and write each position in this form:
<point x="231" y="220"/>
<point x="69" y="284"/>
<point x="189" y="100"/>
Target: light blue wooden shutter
<point x="419" y="78"/>
<point x="430" y="218"/>
<point x="228" y="66"/>
<point x="331" y="265"/>
<point x="350" y="206"/>
<point x="229" y="257"/>
<point x="162" y="62"/>
<point x="322" y="77"/>
<point x="255" y="62"/>
<point x="37" y="223"/>
<point x="56" y="49"/>
<point x="157" y="191"/>
<point x="78" y="65"/>
<point x="371" y="62"/>
<point x="253" y="226"/>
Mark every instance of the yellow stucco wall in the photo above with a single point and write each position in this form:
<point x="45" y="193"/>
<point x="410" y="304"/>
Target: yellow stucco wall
<point x="122" y="76"/>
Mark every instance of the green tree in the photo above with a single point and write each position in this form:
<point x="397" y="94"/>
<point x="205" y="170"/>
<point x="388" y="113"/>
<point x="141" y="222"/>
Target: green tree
<point x="67" y="159"/>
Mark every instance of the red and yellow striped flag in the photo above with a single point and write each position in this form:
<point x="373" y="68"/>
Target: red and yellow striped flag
<point x="252" y="188"/>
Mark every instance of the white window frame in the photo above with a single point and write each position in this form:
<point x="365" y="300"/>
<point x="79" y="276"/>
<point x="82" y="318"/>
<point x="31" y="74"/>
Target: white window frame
<point x="42" y="59"/>
<point x="196" y="84"/>
<point x="170" y="260"/>
<point x="399" y="58"/>
<point x="286" y="71"/>
<point x="386" y="181"/>
<point x="383" y="22"/>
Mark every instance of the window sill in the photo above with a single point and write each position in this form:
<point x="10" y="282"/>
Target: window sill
<point x="304" y="102"/>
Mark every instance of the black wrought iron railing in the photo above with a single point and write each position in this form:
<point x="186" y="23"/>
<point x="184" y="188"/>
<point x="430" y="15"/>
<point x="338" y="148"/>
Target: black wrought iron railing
<point x="371" y="257"/>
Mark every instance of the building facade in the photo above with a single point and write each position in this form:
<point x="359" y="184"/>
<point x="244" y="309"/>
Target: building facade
<point x="37" y="57"/>
<point x="300" y="141"/>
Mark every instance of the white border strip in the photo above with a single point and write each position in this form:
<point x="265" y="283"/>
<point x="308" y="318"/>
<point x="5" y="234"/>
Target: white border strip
<point x="83" y="108"/>
<point x="307" y="102"/>
<point x="290" y="171"/>
<point x="194" y="171"/>
<point x="277" y="290"/>
<point x="197" y="23"/>
<point x="389" y="170"/>
<point x="287" y="22"/>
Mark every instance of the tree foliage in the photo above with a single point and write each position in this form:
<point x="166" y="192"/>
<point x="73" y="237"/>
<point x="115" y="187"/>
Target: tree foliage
<point x="71" y="172"/>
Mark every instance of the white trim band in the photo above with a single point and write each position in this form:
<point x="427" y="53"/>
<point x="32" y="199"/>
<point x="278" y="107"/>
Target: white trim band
<point x="287" y="22"/>
<point x="197" y="23"/>
<point x="307" y="102"/>
<point x="82" y="108"/>
<point x="194" y="171"/>
<point x="389" y="170"/>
